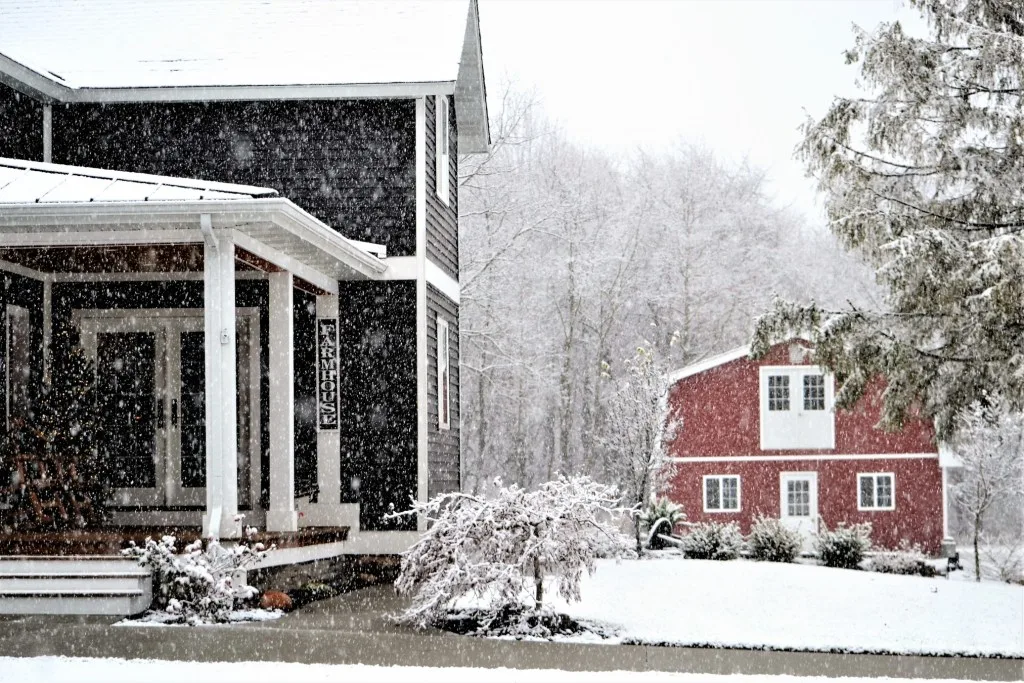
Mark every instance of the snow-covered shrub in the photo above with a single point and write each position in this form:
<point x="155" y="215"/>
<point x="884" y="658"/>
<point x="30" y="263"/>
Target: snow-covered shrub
<point x="713" y="541"/>
<point x="907" y="559"/>
<point x="199" y="585"/>
<point x="660" y="517"/>
<point x="1002" y="557"/>
<point x="771" y="541"/>
<point x="497" y="551"/>
<point x="844" y="546"/>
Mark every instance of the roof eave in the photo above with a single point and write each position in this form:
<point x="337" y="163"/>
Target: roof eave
<point x="471" y="90"/>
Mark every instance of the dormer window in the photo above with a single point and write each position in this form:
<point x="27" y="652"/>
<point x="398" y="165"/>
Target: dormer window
<point x="442" y="149"/>
<point x="796" y="408"/>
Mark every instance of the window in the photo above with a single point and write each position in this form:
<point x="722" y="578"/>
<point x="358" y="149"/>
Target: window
<point x="442" y="139"/>
<point x="721" y="493"/>
<point x="443" y="375"/>
<point x="19" y="363"/>
<point x="814" y="392"/>
<point x="778" y="392"/>
<point x="876" y="491"/>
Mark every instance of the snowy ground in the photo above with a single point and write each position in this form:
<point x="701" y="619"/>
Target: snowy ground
<point x="61" y="669"/>
<point x="760" y="604"/>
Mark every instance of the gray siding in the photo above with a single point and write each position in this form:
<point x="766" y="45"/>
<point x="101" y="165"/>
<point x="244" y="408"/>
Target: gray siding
<point x="442" y="221"/>
<point x="349" y="163"/>
<point x="443" y="445"/>
<point x="21" y="126"/>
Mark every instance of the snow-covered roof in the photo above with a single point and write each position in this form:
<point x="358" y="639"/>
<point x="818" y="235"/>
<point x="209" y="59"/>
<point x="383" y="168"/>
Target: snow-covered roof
<point x="709" y="363"/>
<point x="30" y="182"/>
<point x="174" y="50"/>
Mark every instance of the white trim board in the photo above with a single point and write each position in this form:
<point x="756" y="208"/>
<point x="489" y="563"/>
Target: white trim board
<point x="442" y="281"/>
<point x="709" y="363"/>
<point x="422" y="393"/>
<point x="783" y="458"/>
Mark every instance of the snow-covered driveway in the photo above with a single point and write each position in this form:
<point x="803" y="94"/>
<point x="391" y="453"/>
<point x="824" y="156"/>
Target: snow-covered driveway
<point x="754" y="604"/>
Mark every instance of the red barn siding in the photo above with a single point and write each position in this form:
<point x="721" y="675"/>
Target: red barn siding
<point x="720" y="411"/>
<point x="917" y="516"/>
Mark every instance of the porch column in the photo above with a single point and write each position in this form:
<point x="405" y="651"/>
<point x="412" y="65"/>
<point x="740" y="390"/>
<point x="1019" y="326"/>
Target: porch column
<point x="221" y="518"/>
<point x="328" y="438"/>
<point x="282" y="515"/>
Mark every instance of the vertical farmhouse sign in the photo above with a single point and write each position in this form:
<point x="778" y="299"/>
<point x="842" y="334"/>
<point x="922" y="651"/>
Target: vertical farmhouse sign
<point x="327" y="374"/>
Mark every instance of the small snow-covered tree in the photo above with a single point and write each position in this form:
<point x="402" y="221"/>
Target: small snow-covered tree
<point x="638" y="427"/>
<point x="991" y="446"/>
<point x="494" y="549"/>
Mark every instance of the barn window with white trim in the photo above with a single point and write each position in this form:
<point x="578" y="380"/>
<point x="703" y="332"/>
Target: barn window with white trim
<point x="443" y="375"/>
<point x="721" y="493"/>
<point x="876" y="491"/>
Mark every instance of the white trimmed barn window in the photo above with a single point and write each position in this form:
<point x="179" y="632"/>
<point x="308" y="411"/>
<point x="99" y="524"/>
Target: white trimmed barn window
<point x="721" y="493"/>
<point x="876" y="491"/>
<point x="442" y="139"/>
<point x="444" y="419"/>
<point x="796" y="408"/>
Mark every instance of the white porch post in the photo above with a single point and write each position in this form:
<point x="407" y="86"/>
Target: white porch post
<point x="282" y="515"/>
<point x="220" y="520"/>
<point x="328" y="441"/>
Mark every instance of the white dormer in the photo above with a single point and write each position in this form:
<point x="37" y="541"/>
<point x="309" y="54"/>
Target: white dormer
<point x="797" y="408"/>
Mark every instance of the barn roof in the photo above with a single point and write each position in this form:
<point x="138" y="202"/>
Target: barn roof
<point x="178" y="50"/>
<point x="709" y="363"/>
<point x="30" y="182"/>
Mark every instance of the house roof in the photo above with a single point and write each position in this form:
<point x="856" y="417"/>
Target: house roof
<point x="179" y="50"/>
<point x="30" y="182"/>
<point x="709" y="363"/>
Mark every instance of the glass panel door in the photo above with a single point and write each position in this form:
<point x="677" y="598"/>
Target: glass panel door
<point x="127" y="369"/>
<point x="798" y="504"/>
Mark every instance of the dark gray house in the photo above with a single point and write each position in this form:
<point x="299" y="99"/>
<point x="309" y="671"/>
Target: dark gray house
<point x="246" y="214"/>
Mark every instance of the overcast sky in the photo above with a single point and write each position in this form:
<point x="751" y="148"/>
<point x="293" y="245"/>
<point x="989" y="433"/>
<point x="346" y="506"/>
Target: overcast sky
<point x="736" y="75"/>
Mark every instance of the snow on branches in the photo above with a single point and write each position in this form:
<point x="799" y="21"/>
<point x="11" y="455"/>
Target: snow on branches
<point x="921" y="175"/>
<point x="492" y="549"/>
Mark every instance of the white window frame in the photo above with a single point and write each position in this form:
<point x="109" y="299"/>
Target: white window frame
<point x="874" y="491"/>
<point x="23" y="315"/>
<point x="788" y="420"/>
<point x="721" y="478"/>
<point x="444" y="375"/>
<point x="442" y="148"/>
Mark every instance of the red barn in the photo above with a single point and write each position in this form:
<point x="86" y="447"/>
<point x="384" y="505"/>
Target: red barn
<point x="763" y="438"/>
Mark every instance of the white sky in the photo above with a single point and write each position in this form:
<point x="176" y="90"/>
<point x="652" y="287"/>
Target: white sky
<point x="738" y="76"/>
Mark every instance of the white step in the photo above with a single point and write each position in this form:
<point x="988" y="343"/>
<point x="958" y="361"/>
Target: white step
<point x="72" y="602"/>
<point x="73" y="585"/>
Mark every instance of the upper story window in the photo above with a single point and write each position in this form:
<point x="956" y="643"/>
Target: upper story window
<point x="778" y="392"/>
<point x="796" y="408"/>
<point x="442" y="140"/>
<point x="721" y="493"/>
<point x="814" y="392"/>
<point x="876" y="491"/>
<point x="444" y="419"/>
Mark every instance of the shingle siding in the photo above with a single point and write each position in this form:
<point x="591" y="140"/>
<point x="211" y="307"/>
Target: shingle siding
<point x="21" y="125"/>
<point x="443" y="445"/>
<point x="378" y="408"/>
<point x="349" y="163"/>
<point x="442" y="221"/>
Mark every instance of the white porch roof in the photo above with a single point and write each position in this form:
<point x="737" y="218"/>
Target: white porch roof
<point x="51" y="205"/>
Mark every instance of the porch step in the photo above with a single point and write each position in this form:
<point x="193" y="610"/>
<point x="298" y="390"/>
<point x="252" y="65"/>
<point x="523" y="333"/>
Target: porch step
<point x="73" y="585"/>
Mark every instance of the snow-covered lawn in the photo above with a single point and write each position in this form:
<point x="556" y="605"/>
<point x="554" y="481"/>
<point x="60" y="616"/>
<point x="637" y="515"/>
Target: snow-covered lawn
<point x="81" y="670"/>
<point x="753" y="604"/>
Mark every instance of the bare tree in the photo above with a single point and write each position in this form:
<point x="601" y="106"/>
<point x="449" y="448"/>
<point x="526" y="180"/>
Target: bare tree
<point x="991" y="446"/>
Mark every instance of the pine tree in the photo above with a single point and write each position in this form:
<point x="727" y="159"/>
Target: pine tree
<point x="924" y="178"/>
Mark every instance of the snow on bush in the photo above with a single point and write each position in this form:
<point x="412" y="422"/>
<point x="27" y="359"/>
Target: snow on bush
<point x="497" y="551"/>
<point x="660" y="517"/>
<point x="200" y="585"/>
<point x="844" y="546"/>
<point x="713" y="541"/>
<point x="771" y="541"/>
<point x="1002" y="557"/>
<point x="908" y="559"/>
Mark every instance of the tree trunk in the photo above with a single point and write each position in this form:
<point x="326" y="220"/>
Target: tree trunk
<point x="538" y="583"/>
<point x="977" y="557"/>
<point x="639" y="542"/>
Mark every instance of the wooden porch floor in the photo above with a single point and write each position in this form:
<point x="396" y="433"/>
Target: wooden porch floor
<point x="111" y="540"/>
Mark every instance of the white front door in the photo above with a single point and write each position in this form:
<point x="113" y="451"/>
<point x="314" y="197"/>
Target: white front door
<point x="798" y="504"/>
<point x="151" y="390"/>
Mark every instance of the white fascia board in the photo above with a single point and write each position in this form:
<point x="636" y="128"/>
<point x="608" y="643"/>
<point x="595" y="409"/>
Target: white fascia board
<point x="723" y="459"/>
<point x="709" y="363"/>
<point x="176" y="222"/>
<point x="402" y="268"/>
<point x="281" y="260"/>
<point x="30" y="82"/>
<point x="471" y="90"/>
